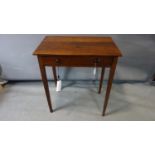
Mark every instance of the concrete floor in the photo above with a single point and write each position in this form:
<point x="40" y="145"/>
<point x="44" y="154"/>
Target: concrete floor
<point x="77" y="101"/>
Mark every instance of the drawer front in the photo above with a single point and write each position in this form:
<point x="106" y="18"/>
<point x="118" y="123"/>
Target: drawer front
<point x="76" y="61"/>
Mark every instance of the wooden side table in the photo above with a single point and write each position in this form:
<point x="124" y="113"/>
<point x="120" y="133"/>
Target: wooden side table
<point x="78" y="51"/>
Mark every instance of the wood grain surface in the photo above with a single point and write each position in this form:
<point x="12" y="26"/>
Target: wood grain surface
<point x="76" y="45"/>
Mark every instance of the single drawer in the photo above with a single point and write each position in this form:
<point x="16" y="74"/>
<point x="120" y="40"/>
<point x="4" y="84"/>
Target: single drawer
<point x="77" y="61"/>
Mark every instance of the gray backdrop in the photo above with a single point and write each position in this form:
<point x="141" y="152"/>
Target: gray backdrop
<point x="18" y="63"/>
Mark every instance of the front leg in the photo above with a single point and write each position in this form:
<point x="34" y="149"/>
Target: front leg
<point x="45" y="83"/>
<point x="111" y="76"/>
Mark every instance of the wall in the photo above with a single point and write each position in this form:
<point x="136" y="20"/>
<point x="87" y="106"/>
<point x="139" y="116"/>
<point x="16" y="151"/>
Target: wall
<point x="18" y="63"/>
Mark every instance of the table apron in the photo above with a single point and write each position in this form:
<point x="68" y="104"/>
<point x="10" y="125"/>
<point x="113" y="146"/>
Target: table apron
<point x="77" y="61"/>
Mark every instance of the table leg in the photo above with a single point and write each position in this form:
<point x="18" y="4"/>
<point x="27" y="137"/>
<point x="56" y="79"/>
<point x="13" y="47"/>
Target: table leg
<point x="45" y="83"/>
<point x="111" y="76"/>
<point x="54" y="74"/>
<point x="101" y="80"/>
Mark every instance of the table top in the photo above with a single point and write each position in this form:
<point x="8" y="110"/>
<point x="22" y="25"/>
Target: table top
<point x="78" y="46"/>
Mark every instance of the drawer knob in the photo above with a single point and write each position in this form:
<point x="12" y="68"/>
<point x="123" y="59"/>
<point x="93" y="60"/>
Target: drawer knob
<point x="57" y="61"/>
<point x="97" y="60"/>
